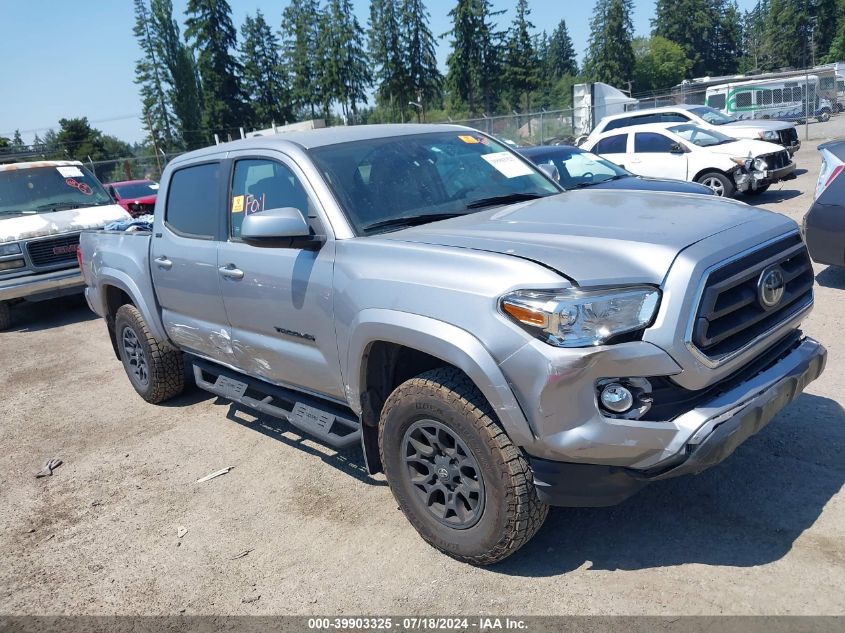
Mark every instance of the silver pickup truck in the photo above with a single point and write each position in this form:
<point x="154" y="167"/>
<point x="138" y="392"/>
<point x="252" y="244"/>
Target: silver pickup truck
<point x="495" y="344"/>
<point x="43" y="207"/>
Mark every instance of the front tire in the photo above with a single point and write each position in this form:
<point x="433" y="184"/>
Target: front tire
<point x="456" y="475"/>
<point x="718" y="182"/>
<point x="155" y="368"/>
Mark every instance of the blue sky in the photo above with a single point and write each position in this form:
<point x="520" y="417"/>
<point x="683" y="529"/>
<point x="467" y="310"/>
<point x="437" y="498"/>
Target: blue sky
<point x="68" y="59"/>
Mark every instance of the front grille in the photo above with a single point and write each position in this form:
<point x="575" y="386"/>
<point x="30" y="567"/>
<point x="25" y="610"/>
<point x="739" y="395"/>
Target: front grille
<point x="778" y="160"/>
<point x="57" y="250"/>
<point x="788" y="137"/>
<point x="731" y="315"/>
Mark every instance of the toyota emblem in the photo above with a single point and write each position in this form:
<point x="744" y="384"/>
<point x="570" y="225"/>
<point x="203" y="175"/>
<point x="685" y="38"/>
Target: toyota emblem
<point x="770" y="287"/>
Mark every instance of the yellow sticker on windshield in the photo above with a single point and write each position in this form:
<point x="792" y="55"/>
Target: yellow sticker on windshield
<point x="238" y="204"/>
<point x="466" y="138"/>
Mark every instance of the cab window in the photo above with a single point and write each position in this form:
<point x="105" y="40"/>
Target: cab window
<point x="192" y="201"/>
<point x="612" y="145"/>
<point x="259" y="184"/>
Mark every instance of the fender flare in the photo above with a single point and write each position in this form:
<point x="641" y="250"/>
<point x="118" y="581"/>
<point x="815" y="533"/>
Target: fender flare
<point x="441" y="340"/>
<point x="119" y="279"/>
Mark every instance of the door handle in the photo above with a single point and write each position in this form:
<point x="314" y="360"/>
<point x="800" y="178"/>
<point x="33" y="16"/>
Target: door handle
<point x="230" y="272"/>
<point x="164" y="263"/>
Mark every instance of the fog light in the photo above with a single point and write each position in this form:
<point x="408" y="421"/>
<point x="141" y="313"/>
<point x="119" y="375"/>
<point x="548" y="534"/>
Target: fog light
<point x="616" y="398"/>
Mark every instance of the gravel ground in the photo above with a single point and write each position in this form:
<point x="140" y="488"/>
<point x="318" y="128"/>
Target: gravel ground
<point x="761" y="534"/>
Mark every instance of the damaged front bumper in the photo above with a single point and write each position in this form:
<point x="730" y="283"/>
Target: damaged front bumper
<point x="720" y="426"/>
<point x="754" y="179"/>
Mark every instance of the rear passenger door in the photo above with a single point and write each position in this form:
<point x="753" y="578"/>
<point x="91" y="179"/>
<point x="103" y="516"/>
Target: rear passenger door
<point x="613" y="148"/>
<point x="653" y="156"/>
<point x="184" y="261"/>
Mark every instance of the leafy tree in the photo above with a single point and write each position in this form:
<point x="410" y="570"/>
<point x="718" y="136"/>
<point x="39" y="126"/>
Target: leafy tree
<point x="521" y="63"/>
<point x="156" y="112"/>
<point x="424" y="79"/>
<point x="77" y="140"/>
<point x="836" y="52"/>
<point x="5" y="142"/>
<point x="560" y="57"/>
<point x="693" y="24"/>
<point x="183" y="85"/>
<point x="209" y="27"/>
<point x="300" y="28"/>
<point x="659" y="63"/>
<point x="264" y="78"/>
<point x="610" y="56"/>
<point x="393" y="84"/>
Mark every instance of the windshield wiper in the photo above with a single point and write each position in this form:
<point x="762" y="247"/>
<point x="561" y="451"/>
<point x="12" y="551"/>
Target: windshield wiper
<point x="55" y="206"/>
<point x="412" y="220"/>
<point x="510" y="198"/>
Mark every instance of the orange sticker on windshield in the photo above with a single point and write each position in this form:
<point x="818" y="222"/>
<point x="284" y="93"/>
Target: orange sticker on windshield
<point x="238" y="204"/>
<point x="466" y="138"/>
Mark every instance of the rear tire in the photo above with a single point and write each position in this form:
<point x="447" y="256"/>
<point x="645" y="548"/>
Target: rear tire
<point x="456" y="475"/>
<point x="155" y="368"/>
<point x="718" y="182"/>
<point x="5" y="315"/>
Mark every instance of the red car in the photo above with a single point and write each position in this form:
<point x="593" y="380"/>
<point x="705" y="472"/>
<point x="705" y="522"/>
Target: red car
<point x="138" y="197"/>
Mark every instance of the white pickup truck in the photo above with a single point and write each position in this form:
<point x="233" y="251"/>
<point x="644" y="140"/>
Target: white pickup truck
<point x="43" y="207"/>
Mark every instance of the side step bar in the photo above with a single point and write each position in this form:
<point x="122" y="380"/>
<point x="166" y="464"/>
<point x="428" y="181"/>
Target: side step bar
<point x="328" y="422"/>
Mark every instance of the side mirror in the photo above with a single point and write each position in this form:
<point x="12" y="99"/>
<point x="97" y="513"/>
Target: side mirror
<point x="550" y="170"/>
<point x="275" y="227"/>
<point x="677" y="148"/>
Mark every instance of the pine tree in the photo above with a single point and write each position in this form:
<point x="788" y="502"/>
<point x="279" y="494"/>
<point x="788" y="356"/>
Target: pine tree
<point x="180" y="72"/>
<point x="475" y="62"/>
<point x="727" y="46"/>
<point x="352" y="76"/>
<point x="753" y="31"/>
<point x="393" y="83"/>
<point x="784" y="35"/>
<point x="300" y="28"/>
<point x="264" y="79"/>
<point x="156" y="114"/>
<point x="694" y="25"/>
<point x="17" y="139"/>
<point x="424" y="79"/>
<point x="827" y="14"/>
<point x="209" y="27"/>
<point x="836" y="51"/>
<point x="610" y="56"/>
<point x="521" y="64"/>
<point x="561" y="54"/>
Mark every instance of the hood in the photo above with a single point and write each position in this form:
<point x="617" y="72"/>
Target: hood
<point x="758" y="124"/>
<point x="743" y="146"/>
<point x="37" y="225"/>
<point x="592" y="237"/>
<point x="643" y="183"/>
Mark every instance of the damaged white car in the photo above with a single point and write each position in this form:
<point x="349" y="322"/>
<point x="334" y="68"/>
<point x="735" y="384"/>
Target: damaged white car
<point x="689" y="152"/>
<point x="43" y="207"/>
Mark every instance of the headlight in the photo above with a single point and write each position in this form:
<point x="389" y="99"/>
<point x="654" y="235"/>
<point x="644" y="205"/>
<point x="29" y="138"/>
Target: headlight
<point x="760" y="165"/>
<point x="10" y="249"/>
<point x="769" y="136"/>
<point x="582" y="318"/>
<point x="743" y="161"/>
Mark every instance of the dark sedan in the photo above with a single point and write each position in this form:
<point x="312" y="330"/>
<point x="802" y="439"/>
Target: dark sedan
<point x="824" y="224"/>
<point x="577" y="168"/>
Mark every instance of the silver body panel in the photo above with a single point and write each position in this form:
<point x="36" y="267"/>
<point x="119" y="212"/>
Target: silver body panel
<point x="307" y="318"/>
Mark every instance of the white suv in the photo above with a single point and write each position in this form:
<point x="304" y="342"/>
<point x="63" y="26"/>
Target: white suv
<point x="781" y="132"/>
<point x="685" y="151"/>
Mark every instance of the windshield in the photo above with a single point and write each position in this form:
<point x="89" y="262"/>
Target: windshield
<point x="387" y="183"/>
<point x="137" y="189"/>
<point x="712" y="116"/>
<point x="45" y="189"/>
<point x="699" y="136"/>
<point x="578" y="168"/>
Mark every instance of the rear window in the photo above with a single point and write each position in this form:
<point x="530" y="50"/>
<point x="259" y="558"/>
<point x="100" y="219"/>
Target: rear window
<point x="642" y="119"/>
<point x="612" y="145"/>
<point x="192" y="201"/>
